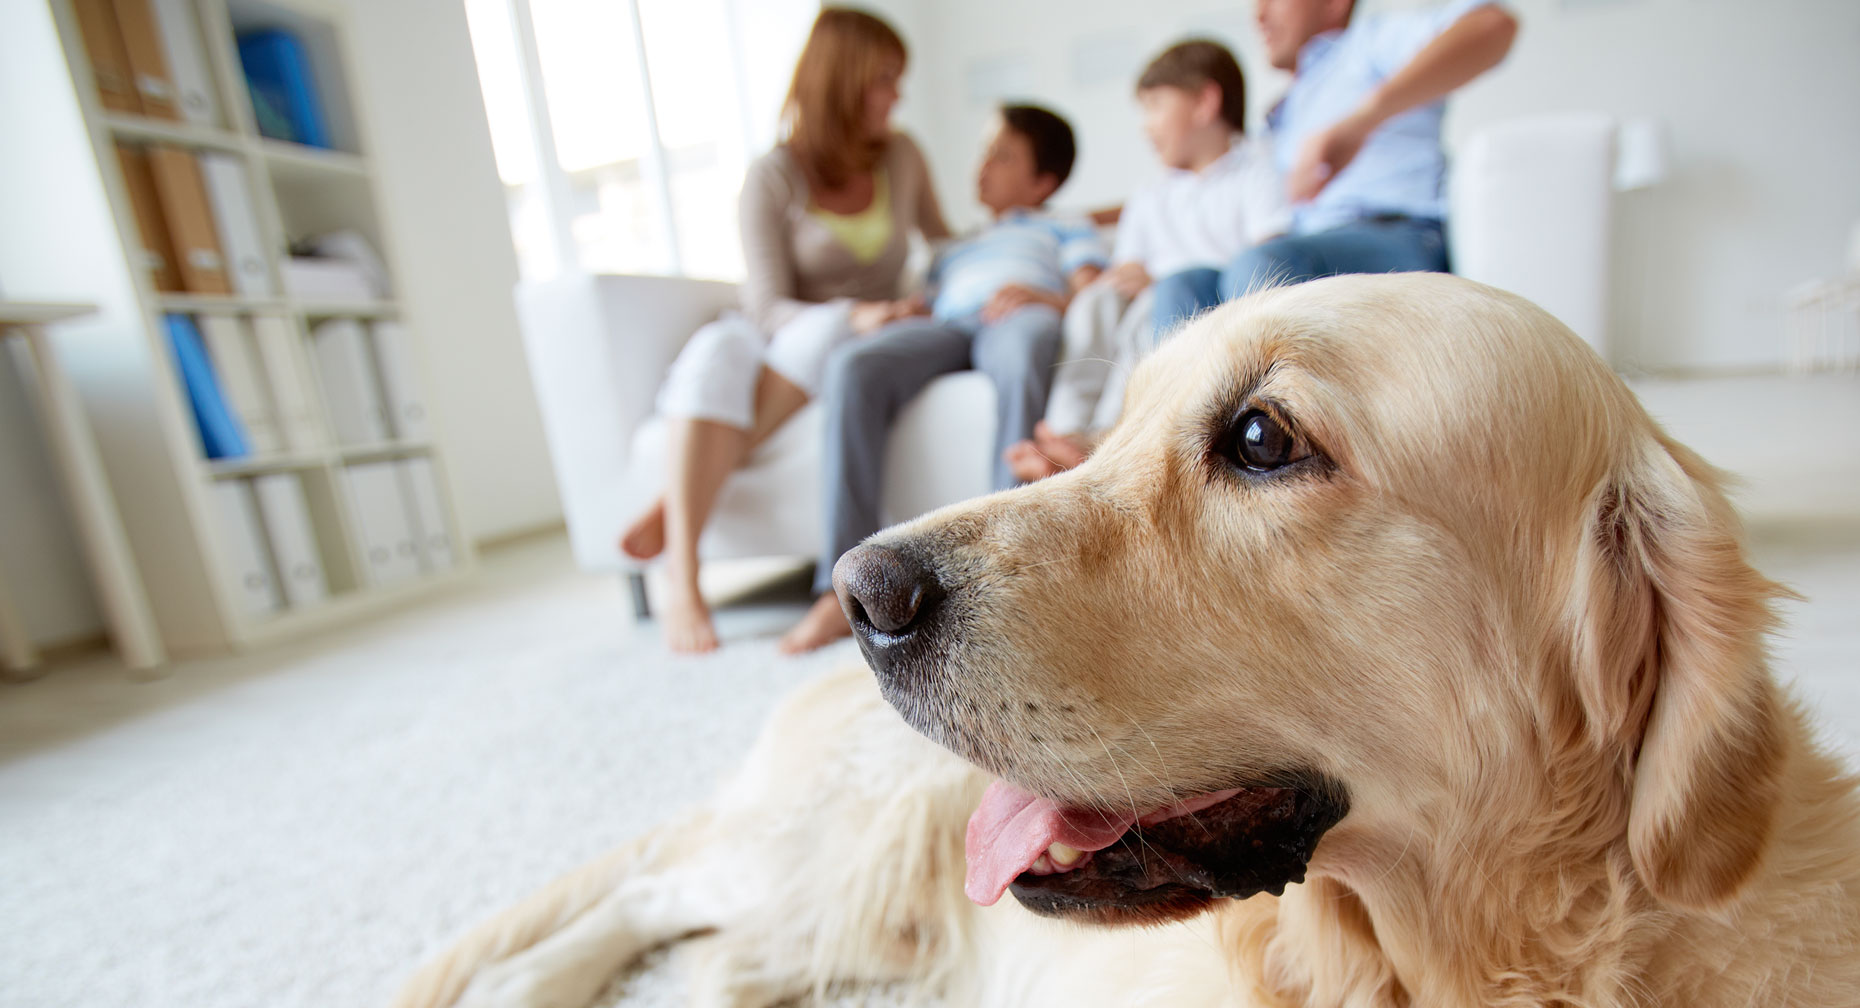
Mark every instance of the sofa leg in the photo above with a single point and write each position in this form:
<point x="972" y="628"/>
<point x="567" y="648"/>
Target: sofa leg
<point x="636" y="586"/>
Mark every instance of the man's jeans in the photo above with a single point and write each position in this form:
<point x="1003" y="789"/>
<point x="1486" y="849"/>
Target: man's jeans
<point x="869" y="380"/>
<point x="1382" y="245"/>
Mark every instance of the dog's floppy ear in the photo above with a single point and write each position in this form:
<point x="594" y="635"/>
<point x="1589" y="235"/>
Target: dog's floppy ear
<point x="1670" y="651"/>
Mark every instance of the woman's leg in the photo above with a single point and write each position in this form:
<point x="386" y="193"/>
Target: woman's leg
<point x="777" y="399"/>
<point x="702" y="454"/>
<point x="783" y="382"/>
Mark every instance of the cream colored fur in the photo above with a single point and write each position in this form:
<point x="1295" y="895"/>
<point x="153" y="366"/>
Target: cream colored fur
<point x="1507" y="613"/>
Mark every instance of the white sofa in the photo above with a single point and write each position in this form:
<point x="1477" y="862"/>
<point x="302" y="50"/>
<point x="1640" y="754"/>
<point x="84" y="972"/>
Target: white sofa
<point x="598" y="347"/>
<point x="1530" y="212"/>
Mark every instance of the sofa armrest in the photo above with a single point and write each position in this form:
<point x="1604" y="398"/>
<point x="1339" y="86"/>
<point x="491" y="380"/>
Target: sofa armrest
<point x="598" y="348"/>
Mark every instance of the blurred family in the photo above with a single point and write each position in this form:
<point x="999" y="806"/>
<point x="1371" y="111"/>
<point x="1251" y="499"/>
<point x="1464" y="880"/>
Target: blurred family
<point x="1348" y="177"/>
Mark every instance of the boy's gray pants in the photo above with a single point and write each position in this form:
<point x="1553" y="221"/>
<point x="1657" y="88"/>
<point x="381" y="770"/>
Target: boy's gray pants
<point x="868" y="380"/>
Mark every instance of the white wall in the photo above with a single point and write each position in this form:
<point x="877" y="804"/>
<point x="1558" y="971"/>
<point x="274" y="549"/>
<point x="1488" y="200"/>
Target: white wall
<point x="451" y="243"/>
<point x="1761" y="100"/>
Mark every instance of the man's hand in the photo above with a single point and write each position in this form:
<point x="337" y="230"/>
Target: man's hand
<point x="1469" y="47"/>
<point x="1325" y="155"/>
<point x="1014" y="297"/>
<point x="1128" y="279"/>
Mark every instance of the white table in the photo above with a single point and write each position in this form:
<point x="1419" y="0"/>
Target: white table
<point x="87" y="493"/>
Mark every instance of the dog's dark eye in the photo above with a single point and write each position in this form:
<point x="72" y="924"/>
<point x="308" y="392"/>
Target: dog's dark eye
<point x="1262" y="444"/>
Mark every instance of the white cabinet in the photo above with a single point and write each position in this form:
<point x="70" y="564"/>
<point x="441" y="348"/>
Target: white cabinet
<point x="273" y="539"/>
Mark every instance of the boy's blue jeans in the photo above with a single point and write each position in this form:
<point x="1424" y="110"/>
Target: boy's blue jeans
<point x="1394" y="245"/>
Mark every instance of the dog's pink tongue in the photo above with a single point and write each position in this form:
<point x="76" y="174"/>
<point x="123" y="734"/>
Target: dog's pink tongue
<point x="1012" y="828"/>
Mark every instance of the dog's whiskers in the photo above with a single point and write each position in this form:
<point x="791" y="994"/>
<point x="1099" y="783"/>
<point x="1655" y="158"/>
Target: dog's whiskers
<point x="1136" y="829"/>
<point x="1159" y="774"/>
<point x="1079" y="780"/>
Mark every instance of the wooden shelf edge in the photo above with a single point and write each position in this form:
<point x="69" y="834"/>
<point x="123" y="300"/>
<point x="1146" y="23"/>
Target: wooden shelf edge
<point x="347" y="309"/>
<point x="221" y="469"/>
<point x="172" y="131"/>
<point x="384" y="449"/>
<point x="218" y="303"/>
<point x="302" y="157"/>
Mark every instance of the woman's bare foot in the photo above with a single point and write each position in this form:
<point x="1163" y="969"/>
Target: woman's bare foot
<point x="644" y="537"/>
<point x="686" y="621"/>
<point x="823" y="624"/>
<point x="1027" y="463"/>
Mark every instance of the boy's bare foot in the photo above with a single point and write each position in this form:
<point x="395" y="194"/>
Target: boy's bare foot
<point x="644" y="537"/>
<point x="823" y="624"/>
<point x="1027" y="463"/>
<point x="1049" y="453"/>
<point x="686" y="622"/>
<point x="1067" y="451"/>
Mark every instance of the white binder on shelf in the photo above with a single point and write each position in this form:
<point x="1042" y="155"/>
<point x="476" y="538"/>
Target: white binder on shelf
<point x="243" y="537"/>
<point x="187" y="61"/>
<point x="230" y="194"/>
<point x="432" y="532"/>
<point x="231" y="349"/>
<point x="350" y="389"/>
<point x="283" y="365"/>
<point x="389" y="553"/>
<point x="405" y="405"/>
<point x="293" y="541"/>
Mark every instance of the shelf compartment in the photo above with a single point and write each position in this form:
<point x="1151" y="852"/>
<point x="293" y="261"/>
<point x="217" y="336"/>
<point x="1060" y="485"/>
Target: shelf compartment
<point x="347" y="606"/>
<point x="318" y="32"/>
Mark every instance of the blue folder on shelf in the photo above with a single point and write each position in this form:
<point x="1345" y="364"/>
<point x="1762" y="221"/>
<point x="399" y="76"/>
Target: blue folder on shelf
<point x="221" y="436"/>
<point x="284" y="95"/>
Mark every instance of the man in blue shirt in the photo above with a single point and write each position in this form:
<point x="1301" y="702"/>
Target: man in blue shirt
<point x="1357" y="137"/>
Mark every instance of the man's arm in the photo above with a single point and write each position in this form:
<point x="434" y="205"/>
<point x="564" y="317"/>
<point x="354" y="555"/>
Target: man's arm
<point x="1469" y="47"/>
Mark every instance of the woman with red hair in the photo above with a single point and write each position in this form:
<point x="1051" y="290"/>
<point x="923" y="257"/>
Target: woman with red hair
<point x="827" y="218"/>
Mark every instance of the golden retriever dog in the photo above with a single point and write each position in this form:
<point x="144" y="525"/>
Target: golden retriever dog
<point x="1386" y="654"/>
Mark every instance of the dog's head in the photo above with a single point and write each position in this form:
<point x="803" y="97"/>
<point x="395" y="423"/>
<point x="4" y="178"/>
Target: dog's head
<point x="1366" y="558"/>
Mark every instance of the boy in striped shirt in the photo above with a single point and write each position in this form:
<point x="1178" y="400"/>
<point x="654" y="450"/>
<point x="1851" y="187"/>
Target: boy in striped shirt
<point x="995" y="300"/>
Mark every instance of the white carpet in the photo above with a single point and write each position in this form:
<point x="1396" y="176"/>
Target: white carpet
<point x="302" y="826"/>
<point x="301" y="830"/>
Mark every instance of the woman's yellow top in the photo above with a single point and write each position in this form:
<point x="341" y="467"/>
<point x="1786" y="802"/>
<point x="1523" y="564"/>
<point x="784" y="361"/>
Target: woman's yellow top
<point x="866" y="233"/>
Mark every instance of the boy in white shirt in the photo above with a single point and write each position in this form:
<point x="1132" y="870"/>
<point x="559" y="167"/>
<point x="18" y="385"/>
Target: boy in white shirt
<point x="1220" y="195"/>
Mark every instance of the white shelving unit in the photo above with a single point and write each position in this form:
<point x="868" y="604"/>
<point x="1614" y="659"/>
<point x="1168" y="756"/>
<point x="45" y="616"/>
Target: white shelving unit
<point x="180" y="531"/>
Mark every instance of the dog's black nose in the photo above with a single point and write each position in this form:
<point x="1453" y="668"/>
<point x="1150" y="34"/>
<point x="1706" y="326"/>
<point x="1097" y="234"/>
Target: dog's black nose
<point x="884" y="590"/>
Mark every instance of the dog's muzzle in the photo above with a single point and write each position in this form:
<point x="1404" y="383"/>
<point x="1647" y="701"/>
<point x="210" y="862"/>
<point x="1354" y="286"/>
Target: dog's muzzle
<point x="887" y="595"/>
<point x="908" y="621"/>
<point x="891" y="599"/>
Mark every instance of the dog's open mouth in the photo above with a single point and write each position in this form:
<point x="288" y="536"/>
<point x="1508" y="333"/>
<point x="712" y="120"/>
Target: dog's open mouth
<point x="1160" y="862"/>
